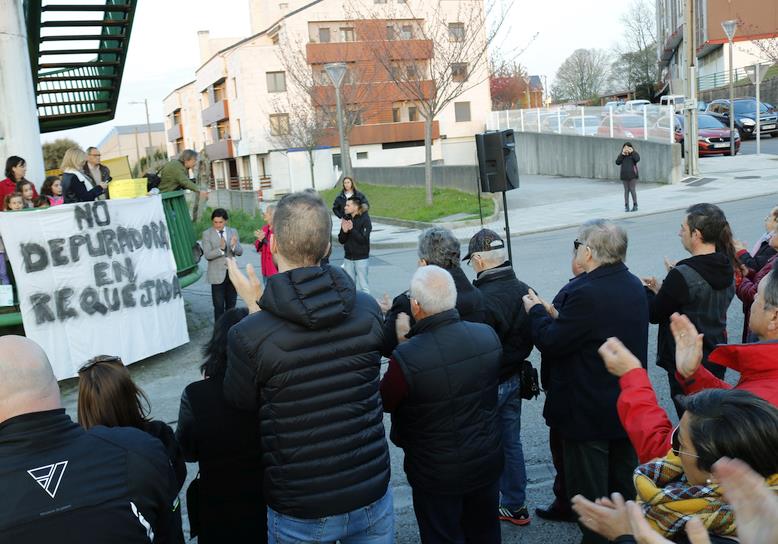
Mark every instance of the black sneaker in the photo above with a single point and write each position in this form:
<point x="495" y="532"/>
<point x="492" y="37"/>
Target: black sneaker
<point x="553" y="513"/>
<point x="626" y="207"/>
<point x="635" y="208"/>
<point x="517" y="517"/>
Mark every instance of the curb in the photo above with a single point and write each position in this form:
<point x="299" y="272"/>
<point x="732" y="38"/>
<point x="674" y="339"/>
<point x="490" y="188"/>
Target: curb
<point x="551" y="228"/>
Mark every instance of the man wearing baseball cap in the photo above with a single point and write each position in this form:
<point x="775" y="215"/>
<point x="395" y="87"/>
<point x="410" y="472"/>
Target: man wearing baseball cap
<point x="502" y="293"/>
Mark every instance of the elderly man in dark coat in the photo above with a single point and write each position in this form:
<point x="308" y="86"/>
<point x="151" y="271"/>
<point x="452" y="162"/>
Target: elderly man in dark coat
<point x="581" y="404"/>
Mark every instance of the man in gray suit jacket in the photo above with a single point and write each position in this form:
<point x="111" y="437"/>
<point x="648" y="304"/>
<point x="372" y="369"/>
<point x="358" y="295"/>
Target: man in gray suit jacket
<point x="220" y="243"/>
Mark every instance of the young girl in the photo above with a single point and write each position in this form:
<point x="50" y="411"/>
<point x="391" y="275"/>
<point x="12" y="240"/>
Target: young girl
<point x="27" y="189"/>
<point x="52" y="189"/>
<point x="262" y="243"/>
<point x="12" y="202"/>
<point x="349" y="189"/>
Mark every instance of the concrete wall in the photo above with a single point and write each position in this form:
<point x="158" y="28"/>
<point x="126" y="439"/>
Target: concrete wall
<point x="768" y="92"/>
<point x="233" y="200"/>
<point x="462" y="177"/>
<point x="587" y="157"/>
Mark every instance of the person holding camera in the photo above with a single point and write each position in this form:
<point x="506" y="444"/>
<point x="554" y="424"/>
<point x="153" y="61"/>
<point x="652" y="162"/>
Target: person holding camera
<point x="355" y="227"/>
<point x="628" y="159"/>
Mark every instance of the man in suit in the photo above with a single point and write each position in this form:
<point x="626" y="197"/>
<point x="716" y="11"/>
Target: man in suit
<point x="582" y="395"/>
<point x="220" y="242"/>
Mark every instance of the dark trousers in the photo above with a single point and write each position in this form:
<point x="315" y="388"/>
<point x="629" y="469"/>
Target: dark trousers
<point x="224" y="297"/>
<point x="630" y="187"/>
<point x="596" y="469"/>
<point x="676" y="389"/>
<point x="555" y="444"/>
<point x="454" y="519"/>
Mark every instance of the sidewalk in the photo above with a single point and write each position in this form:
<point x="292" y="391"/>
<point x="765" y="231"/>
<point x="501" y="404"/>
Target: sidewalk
<point x="544" y="203"/>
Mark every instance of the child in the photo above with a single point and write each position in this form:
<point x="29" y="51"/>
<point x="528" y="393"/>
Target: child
<point x="42" y="202"/>
<point x="14" y="201"/>
<point x="262" y="243"/>
<point x="52" y="189"/>
<point x="27" y="189"/>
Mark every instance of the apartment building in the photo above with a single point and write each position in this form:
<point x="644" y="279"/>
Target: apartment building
<point x="132" y="141"/>
<point x="756" y="20"/>
<point x="241" y="95"/>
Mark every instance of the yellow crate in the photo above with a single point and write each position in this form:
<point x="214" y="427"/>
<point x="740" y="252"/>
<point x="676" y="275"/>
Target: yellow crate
<point x="127" y="188"/>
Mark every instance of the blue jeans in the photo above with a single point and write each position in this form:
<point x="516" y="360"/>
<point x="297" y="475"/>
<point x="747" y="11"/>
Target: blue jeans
<point x="371" y="524"/>
<point x="513" y="482"/>
<point x="358" y="272"/>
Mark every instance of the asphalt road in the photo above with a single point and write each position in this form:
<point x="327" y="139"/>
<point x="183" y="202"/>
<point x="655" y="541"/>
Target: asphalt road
<point x="768" y="145"/>
<point x="543" y="261"/>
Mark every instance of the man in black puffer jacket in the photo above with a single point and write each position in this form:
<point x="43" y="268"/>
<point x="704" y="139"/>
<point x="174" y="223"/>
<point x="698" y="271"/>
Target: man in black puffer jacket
<point x="438" y="246"/>
<point x="308" y="361"/>
<point x="502" y="293"/>
<point x="441" y="387"/>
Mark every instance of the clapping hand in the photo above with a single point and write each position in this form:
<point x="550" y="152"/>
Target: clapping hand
<point x="234" y="240"/>
<point x="346" y="225"/>
<point x="652" y="283"/>
<point x="606" y="517"/>
<point x="644" y="534"/>
<point x="222" y="242"/>
<point x="669" y="265"/>
<point x="385" y="303"/>
<point x="402" y="327"/>
<point x="248" y="286"/>
<point x="739" y="245"/>
<point x="259" y="234"/>
<point x="618" y="358"/>
<point x="530" y="300"/>
<point x="688" y="345"/>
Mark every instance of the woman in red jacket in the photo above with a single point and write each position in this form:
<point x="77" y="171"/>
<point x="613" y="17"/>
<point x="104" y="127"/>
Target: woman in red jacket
<point x="746" y="288"/>
<point x="262" y="243"/>
<point x="15" y="169"/>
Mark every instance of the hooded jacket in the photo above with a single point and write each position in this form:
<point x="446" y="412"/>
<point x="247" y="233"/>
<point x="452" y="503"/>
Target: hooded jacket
<point x="309" y="363"/>
<point x="339" y="203"/>
<point x="629" y="164"/>
<point x="356" y="242"/>
<point x="694" y="301"/>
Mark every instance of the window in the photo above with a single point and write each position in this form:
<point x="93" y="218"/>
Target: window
<point x="462" y="112"/>
<point x="406" y="33"/>
<point x="413" y="113"/>
<point x="361" y="155"/>
<point x="324" y="79"/>
<point x="395" y="115"/>
<point x="390" y="33"/>
<point x="347" y="34"/>
<point x="219" y="91"/>
<point x="223" y="130"/>
<point x="456" y="32"/>
<point x="355" y="116"/>
<point x="459" y="71"/>
<point x="237" y="129"/>
<point x="275" y="39"/>
<point x="234" y="88"/>
<point x="276" y="82"/>
<point x="411" y="72"/>
<point x="324" y="35"/>
<point x="177" y="117"/>
<point x="283" y="6"/>
<point x="279" y="124"/>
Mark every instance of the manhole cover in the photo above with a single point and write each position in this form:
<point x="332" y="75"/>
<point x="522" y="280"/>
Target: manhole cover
<point x="748" y="177"/>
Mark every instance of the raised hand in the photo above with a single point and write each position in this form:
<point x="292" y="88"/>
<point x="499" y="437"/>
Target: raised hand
<point x="385" y="303"/>
<point x="618" y="359"/>
<point x="248" y="286"/>
<point x="402" y="326"/>
<point x="644" y="534"/>
<point x="688" y="345"/>
<point x="530" y="300"/>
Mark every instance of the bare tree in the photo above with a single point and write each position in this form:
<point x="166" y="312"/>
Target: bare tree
<point x="635" y="63"/>
<point x="582" y="76"/>
<point x="296" y="124"/>
<point x="433" y="57"/>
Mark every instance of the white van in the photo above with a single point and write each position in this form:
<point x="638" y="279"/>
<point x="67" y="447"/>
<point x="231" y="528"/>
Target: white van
<point x="675" y="100"/>
<point x="636" y="106"/>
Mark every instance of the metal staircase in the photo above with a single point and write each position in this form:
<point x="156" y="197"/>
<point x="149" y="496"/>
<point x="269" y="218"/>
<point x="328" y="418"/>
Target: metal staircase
<point x="77" y="55"/>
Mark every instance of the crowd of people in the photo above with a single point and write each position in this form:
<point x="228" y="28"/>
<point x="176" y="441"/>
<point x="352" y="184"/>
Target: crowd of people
<point x="288" y="423"/>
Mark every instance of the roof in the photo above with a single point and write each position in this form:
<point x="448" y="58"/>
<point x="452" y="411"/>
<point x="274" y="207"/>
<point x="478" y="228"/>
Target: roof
<point x="122" y="130"/>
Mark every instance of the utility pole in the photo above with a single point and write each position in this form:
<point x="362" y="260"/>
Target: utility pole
<point x="729" y="29"/>
<point x="150" y="148"/>
<point x="690" y="77"/>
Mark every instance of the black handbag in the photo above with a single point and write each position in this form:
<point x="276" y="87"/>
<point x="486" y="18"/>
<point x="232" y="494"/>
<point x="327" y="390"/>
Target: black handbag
<point x="530" y="386"/>
<point x="193" y="506"/>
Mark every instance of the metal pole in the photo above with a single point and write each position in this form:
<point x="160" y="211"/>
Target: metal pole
<point x="671" y="124"/>
<point x="538" y="112"/>
<point x="758" y="113"/>
<point x="610" y="116"/>
<point x="731" y="104"/>
<point x="583" y="121"/>
<point x="507" y="226"/>
<point x="345" y="163"/>
<point x="137" y="151"/>
<point x="645" y="122"/>
<point x="521" y="114"/>
<point x="559" y="121"/>
<point x="148" y="122"/>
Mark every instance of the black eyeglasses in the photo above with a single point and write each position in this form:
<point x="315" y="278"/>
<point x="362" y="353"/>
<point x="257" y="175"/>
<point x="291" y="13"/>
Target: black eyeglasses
<point x="97" y="360"/>
<point x="675" y="444"/>
<point x="577" y="244"/>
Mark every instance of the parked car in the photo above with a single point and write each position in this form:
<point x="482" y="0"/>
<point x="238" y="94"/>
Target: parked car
<point x="745" y="116"/>
<point x="636" y="106"/>
<point x="551" y="122"/>
<point x="583" y="126"/>
<point x="675" y="100"/>
<point x="712" y="134"/>
<point x="624" y="126"/>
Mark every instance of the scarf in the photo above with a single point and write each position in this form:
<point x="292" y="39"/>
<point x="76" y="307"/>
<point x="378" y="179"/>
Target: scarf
<point x="669" y="501"/>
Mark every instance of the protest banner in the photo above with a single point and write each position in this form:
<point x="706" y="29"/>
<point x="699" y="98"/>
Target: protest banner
<point x="96" y="278"/>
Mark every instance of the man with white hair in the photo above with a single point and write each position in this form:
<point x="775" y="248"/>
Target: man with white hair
<point x="581" y="395"/>
<point x="64" y="484"/>
<point x="502" y="293"/>
<point x="441" y="388"/>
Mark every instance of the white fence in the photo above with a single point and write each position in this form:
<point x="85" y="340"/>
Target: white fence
<point x="644" y="122"/>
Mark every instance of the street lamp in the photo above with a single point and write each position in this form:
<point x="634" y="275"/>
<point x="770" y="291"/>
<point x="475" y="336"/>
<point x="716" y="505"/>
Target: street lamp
<point x="729" y="29"/>
<point x="150" y="148"/>
<point x="337" y="72"/>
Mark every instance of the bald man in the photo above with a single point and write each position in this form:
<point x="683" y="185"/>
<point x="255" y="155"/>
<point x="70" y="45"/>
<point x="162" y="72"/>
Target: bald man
<point x="61" y="483"/>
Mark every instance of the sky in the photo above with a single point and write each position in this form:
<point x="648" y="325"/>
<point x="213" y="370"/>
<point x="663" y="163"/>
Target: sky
<point x="164" y="54"/>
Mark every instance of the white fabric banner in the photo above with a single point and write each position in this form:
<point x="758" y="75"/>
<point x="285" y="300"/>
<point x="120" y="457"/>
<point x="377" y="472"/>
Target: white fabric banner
<point x="96" y="278"/>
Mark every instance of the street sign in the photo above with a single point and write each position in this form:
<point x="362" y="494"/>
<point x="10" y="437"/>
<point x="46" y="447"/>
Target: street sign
<point x="751" y="72"/>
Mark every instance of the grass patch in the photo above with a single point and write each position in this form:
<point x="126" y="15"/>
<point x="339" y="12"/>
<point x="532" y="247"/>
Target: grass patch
<point x="243" y="222"/>
<point x="409" y="202"/>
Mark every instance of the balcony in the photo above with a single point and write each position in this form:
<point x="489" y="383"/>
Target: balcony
<point x="223" y="149"/>
<point x="322" y="53"/>
<point x="384" y="133"/>
<point x="371" y="92"/>
<point x="175" y="132"/>
<point x="215" y="113"/>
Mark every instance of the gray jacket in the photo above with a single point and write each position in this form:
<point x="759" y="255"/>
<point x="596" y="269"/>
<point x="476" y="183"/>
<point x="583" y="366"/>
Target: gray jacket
<point x="216" y="257"/>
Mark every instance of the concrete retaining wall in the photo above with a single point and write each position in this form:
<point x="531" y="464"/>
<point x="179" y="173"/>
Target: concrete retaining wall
<point x="230" y="200"/>
<point x="588" y="157"/>
<point x="768" y="92"/>
<point x="462" y="177"/>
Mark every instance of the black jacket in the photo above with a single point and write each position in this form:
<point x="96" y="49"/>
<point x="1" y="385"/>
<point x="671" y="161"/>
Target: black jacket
<point x="356" y="242"/>
<point x="67" y="485"/>
<point x="448" y="425"/>
<point x="74" y="190"/>
<point x="340" y="203"/>
<point x="309" y="362"/>
<point x="225" y="443"/>
<point x="757" y="262"/>
<point x="470" y="305"/>
<point x="675" y="296"/>
<point x="629" y="166"/>
<point x="502" y="293"/>
<point x="581" y="398"/>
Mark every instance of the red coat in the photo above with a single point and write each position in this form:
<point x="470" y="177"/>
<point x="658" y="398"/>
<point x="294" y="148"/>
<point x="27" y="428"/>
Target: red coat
<point x="647" y="424"/>
<point x="7" y="187"/>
